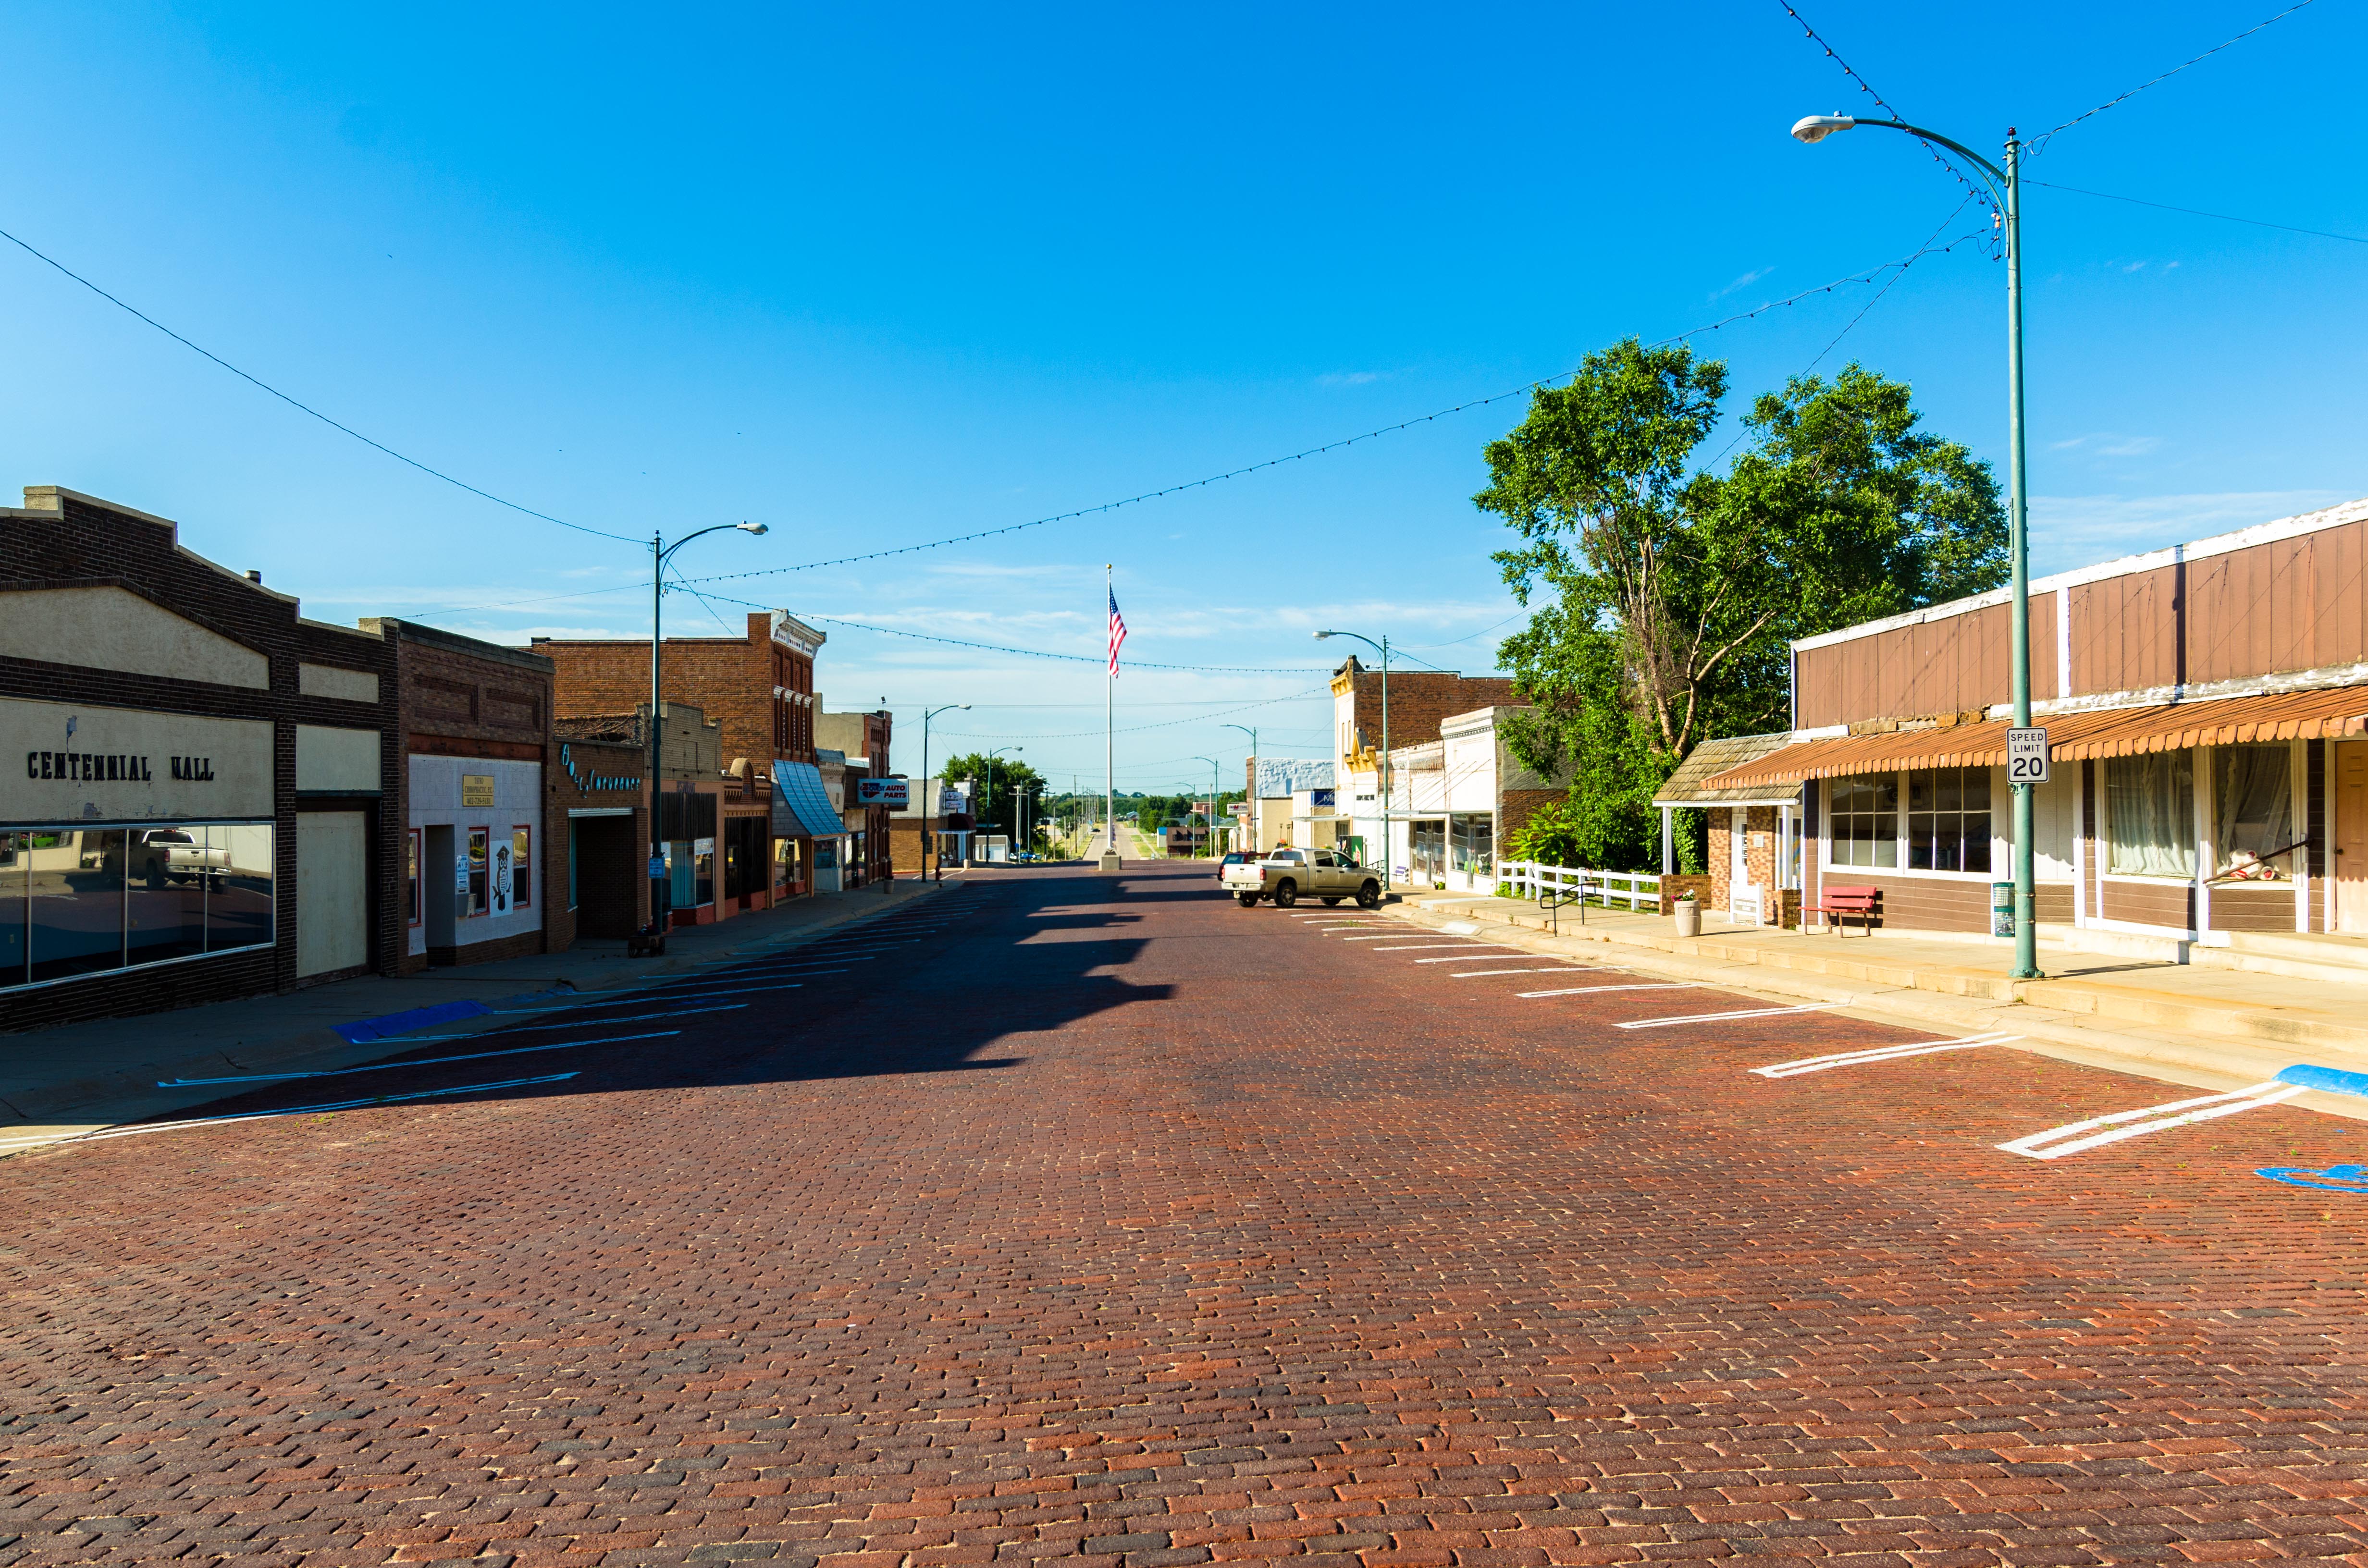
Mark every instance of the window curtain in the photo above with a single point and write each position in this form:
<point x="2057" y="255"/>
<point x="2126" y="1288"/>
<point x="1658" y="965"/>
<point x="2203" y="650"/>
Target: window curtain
<point x="2150" y="815"/>
<point x="2252" y="808"/>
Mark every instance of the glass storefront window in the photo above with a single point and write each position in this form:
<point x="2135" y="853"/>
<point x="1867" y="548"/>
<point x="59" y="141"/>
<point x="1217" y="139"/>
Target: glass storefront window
<point x="521" y="868"/>
<point x="1864" y="818"/>
<point x="2252" y="811"/>
<point x="411" y="878"/>
<point x="85" y="901"/>
<point x="1473" y="850"/>
<point x="1427" y="848"/>
<point x="1949" y="819"/>
<point x="2150" y="815"/>
<point x="479" y="869"/>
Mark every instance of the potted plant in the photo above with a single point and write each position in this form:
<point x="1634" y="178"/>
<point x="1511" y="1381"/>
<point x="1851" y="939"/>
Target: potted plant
<point x="1689" y="911"/>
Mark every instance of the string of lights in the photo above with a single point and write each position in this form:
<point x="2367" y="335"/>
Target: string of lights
<point x="1026" y="652"/>
<point x="2039" y="142"/>
<point x="1975" y="187"/>
<point x="304" y="407"/>
<point x="1137" y="729"/>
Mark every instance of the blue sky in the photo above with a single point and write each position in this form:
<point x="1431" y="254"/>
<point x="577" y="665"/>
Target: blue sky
<point x="878" y="277"/>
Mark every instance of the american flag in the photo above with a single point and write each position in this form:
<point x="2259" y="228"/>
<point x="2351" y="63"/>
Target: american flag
<point x="1117" y="632"/>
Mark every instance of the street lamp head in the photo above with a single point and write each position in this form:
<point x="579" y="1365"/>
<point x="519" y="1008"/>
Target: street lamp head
<point x="1815" y="128"/>
<point x="1321" y="635"/>
<point x="750" y="528"/>
<point x="964" y="705"/>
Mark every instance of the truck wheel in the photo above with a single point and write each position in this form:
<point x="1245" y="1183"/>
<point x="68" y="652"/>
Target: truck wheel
<point x="1285" y="894"/>
<point x="1247" y="900"/>
<point x="1370" y="896"/>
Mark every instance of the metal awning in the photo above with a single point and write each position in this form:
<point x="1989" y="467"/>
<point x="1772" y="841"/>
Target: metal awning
<point x="2324" y="714"/>
<point x="801" y="808"/>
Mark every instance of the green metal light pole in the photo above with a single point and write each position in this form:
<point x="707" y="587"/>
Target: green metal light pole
<point x="1251" y="794"/>
<point x="1382" y="768"/>
<point x="927" y="805"/>
<point x="2006" y="185"/>
<point x="660" y="553"/>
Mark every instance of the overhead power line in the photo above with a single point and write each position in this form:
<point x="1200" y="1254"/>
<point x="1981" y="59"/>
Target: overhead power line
<point x="2199" y="212"/>
<point x="1524" y="390"/>
<point x="1977" y="188"/>
<point x="1133" y="729"/>
<point x="305" y="407"/>
<point x="2039" y="143"/>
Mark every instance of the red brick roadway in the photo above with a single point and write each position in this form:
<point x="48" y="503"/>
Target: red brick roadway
<point x="1086" y="1217"/>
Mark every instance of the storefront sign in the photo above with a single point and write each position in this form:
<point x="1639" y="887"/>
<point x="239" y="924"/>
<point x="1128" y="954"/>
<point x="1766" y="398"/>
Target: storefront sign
<point x="591" y="783"/>
<point x="476" y="790"/>
<point x="658" y="866"/>
<point x="2026" y="757"/>
<point x="129" y="765"/>
<point x="895" y="793"/>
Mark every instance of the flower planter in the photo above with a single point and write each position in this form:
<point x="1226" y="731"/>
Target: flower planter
<point x="1688" y="917"/>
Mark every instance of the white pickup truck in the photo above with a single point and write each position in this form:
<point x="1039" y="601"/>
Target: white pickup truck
<point x="1288" y="875"/>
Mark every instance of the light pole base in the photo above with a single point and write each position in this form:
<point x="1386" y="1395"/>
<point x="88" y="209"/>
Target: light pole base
<point x="1110" y="862"/>
<point x="2029" y="974"/>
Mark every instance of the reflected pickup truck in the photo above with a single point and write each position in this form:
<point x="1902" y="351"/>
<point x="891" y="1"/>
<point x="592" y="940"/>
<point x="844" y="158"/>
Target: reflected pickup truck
<point x="1287" y="876"/>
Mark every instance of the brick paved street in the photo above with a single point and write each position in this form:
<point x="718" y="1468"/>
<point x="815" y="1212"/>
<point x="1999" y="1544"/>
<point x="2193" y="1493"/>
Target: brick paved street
<point x="1084" y="1216"/>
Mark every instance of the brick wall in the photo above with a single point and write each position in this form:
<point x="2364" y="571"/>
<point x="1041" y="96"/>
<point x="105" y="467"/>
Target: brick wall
<point x="732" y="679"/>
<point x="612" y="890"/>
<point x="1420" y="700"/>
<point x="460" y="696"/>
<point x="1514" y="808"/>
<point x="61" y="539"/>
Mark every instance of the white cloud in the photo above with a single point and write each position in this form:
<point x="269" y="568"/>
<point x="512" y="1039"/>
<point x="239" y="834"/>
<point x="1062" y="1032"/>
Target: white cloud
<point x="2075" y="530"/>
<point x="1746" y="281"/>
<point x="2108" y="444"/>
<point x="1348" y="377"/>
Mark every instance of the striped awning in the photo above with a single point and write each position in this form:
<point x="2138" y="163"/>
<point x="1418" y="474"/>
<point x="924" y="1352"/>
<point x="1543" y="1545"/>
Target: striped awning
<point x="801" y="806"/>
<point x="2097" y="732"/>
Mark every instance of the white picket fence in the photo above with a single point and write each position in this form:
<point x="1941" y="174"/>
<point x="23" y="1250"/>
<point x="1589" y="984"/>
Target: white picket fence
<point x="1533" y="879"/>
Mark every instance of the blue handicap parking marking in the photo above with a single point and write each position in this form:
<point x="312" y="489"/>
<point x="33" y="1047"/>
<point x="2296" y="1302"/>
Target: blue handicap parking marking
<point x="2333" y="1179"/>
<point x="2331" y="1080"/>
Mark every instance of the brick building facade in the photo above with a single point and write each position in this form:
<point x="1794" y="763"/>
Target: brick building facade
<point x="759" y="690"/>
<point x="204" y="811"/>
<point x="1421" y="700"/>
<point x="600" y="801"/>
<point x="481" y="851"/>
<point x="864" y="738"/>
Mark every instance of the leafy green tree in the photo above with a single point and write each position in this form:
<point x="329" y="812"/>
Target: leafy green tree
<point x="1668" y="593"/>
<point x="993" y="811"/>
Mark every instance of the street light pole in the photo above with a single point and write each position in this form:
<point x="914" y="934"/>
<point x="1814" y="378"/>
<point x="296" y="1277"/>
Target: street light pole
<point x="2006" y="185"/>
<point x="1251" y="731"/>
<point x="1210" y="817"/>
<point x="990" y="781"/>
<point x="1382" y="770"/>
<point x="926" y="835"/>
<point x="659" y="553"/>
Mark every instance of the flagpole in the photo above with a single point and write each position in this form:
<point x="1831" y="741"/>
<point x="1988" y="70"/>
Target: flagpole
<point x="1110" y="773"/>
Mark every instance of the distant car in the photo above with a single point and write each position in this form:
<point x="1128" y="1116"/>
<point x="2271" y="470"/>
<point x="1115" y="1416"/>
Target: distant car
<point x="1286" y="874"/>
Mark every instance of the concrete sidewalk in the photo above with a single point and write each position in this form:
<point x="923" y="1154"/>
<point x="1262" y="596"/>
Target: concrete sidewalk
<point x="2209" y="1027"/>
<point x="56" y="1083"/>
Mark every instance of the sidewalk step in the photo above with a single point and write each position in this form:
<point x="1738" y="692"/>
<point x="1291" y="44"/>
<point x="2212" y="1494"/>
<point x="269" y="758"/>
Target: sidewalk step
<point x="2303" y="957"/>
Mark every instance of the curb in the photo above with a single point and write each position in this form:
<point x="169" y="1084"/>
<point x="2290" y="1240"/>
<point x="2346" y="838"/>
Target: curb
<point x="2194" y="1061"/>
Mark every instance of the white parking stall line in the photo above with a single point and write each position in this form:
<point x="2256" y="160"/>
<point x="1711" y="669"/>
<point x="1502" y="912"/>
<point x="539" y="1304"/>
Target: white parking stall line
<point x="1533" y="968"/>
<point x="1727" y="1018"/>
<point x="1382" y="936"/>
<point x="2072" y="1137"/>
<point x="629" y="1018"/>
<point x="1881" y="1054"/>
<point x="396" y="1066"/>
<point x="1488" y="957"/>
<point x="1427" y="946"/>
<point x="1592" y="990"/>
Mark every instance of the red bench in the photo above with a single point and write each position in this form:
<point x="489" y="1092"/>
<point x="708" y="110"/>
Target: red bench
<point x="1837" y="903"/>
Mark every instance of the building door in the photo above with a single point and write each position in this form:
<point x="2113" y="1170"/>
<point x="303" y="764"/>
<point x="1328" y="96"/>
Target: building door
<point x="443" y="883"/>
<point x="332" y="891"/>
<point x="2351" y="837"/>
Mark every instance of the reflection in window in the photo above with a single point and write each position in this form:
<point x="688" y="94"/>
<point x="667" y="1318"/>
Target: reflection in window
<point x="1474" y="848"/>
<point x="1865" y="821"/>
<point x="85" y="901"/>
<point x="2252" y="811"/>
<point x="480" y="847"/>
<point x="521" y="867"/>
<point x="2150" y="815"/>
<point x="1949" y="819"/>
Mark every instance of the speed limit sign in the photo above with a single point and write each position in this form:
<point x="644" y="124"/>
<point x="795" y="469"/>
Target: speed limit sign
<point x="2026" y="757"/>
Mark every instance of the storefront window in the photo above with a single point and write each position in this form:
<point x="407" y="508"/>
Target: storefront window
<point x="411" y="877"/>
<point x="1865" y="818"/>
<point x="1949" y="819"/>
<point x="702" y="870"/>
<point x="85" y="901"/>
<point x="521" y="868"/>
<point x="479" y="869"/>
<point x="2252" y="811"/>
<point x="1475" y="845"/>
<point x="2150" y="815"/>
<point x="1427" y="848"/>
